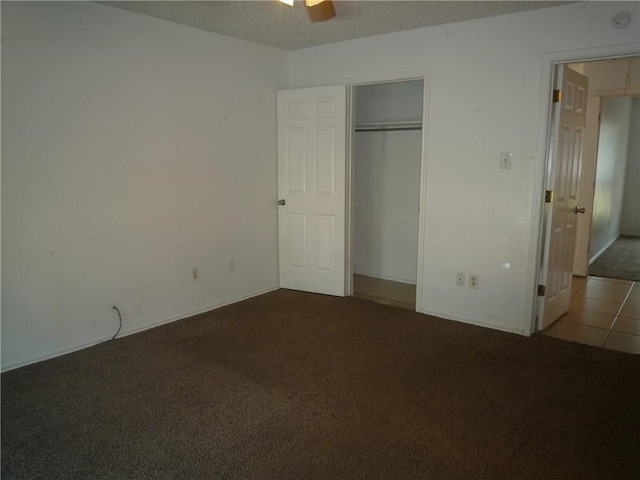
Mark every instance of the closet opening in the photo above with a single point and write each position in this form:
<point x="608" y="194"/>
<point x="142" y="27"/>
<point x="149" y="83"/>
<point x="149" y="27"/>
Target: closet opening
<point x="386" y="164"/>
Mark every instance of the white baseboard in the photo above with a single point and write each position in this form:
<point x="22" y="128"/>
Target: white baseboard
<point x="603" y="249"/>
<point x="383" y="277"/>
<point x="148" y="326"/>
<point x="474" y="321"/>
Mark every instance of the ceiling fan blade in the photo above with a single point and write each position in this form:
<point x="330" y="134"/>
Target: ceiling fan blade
<point x="322" y="11"/>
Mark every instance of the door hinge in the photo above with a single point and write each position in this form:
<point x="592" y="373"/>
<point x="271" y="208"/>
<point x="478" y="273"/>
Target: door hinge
<point x="541" y="289"/>
<point x="557" y="96"/>
<point x="548" y="196"/>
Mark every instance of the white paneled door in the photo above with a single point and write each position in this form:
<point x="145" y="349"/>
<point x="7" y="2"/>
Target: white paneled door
<point x="312" y="189"/>
<point x="566" y="149"/>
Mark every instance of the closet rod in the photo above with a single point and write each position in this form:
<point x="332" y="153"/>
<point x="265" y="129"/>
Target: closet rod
<point x="388" y="129"/>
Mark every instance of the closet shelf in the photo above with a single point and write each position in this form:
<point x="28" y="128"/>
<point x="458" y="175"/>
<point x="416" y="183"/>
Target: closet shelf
<point x="388" y="126"/>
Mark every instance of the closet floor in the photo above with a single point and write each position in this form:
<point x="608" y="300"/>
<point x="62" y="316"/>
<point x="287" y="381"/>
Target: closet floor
<point x="387" y="292"/>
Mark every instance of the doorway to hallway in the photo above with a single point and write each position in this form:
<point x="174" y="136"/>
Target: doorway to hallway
<point x="604" y="312"/>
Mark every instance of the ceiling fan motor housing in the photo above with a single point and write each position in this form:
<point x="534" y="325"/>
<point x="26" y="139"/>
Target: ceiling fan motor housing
<point x="322" y="11"/>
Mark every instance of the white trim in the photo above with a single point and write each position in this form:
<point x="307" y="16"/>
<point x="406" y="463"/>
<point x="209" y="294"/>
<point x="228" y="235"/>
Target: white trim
<point x="389" y="125"/>
<point x="473" y="321"/>
<point x="603" y="249"/>
<point x="352" y="83"/>
<point x="388" y="77"/>
<point x="549" y="60"/>
<point x="423" y="190"/>
<point x="149" y="326"/>
<point x="349" y="167"/>
<point x="619" y="92"/>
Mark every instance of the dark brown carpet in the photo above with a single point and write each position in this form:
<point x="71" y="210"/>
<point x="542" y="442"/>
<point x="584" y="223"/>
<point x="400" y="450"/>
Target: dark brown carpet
<point x="621" y="260"/>
<point x="291" y="385"/>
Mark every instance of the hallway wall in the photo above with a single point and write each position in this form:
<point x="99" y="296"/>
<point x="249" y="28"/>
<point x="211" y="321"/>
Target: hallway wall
<point x="630" y="221"/>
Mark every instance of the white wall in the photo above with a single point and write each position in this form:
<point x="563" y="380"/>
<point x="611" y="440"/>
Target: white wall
<point x="389" y="102"/>
<point x="485" y="96"/>
<point x="615" y="76"/>
<point x="386" y="195"/>
<point x="630" y="220"/>
<point x="133" y="149"/>
<point x="615" y="115"/>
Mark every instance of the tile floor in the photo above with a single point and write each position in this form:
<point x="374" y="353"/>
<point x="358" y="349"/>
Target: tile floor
<point x="604" y="312"/>
<point x="377" y="290"/>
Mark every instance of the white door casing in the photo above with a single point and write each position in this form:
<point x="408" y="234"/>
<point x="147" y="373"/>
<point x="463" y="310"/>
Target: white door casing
<point x="566" y="152"/>
<point x="312" y="189"/>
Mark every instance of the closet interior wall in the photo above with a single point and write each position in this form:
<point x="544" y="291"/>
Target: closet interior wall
<point x="386" y="183"/>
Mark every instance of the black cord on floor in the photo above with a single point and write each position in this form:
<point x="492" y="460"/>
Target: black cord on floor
<point x="120" y="317"/>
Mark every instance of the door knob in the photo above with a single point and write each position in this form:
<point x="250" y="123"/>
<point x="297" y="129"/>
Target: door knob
<point x="284" y="202"/>
<point x="578" y="210"/>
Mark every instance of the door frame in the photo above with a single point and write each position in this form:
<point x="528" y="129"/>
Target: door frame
<point x="352" y="84"/>
<point x="543" y="163"/>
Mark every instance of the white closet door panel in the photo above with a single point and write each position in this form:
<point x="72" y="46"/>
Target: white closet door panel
<point x="296" y="160"/>
<point x="325" y="160"/>
<point x="311" y="185"/>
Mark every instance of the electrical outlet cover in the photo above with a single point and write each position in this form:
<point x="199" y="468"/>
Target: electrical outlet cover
<point x="505" y="160"/>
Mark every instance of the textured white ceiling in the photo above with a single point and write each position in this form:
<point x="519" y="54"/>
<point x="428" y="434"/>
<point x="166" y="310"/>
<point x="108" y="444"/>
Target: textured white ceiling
<point x="273" y="23"/>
